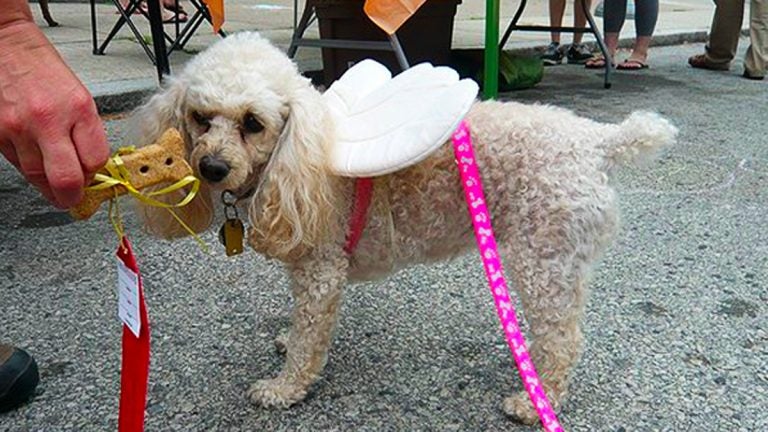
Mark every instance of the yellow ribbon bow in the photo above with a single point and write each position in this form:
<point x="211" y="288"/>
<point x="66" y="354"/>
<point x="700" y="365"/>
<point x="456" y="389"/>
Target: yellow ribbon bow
<point x="118" y="175"/>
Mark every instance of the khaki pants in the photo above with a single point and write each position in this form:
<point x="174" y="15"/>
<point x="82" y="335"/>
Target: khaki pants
<point x="726" y="28"/>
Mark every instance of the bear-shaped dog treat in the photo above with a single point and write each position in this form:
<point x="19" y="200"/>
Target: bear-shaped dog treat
<point x="158" y="163"/>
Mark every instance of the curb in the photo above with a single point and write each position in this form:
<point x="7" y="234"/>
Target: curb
<point x="125" y="95"/>
<point x="670" y="39"/>
<point x="121" y="96"/>
<point x="657" y="41"/>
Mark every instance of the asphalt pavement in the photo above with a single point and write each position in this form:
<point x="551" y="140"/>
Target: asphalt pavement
<point x="676" y="327"/>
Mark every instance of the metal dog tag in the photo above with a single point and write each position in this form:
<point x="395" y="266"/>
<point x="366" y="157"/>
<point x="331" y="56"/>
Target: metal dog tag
<point x="231" y="236"/>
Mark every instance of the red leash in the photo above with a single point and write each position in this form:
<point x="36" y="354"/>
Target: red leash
<point x="135" y="369"/>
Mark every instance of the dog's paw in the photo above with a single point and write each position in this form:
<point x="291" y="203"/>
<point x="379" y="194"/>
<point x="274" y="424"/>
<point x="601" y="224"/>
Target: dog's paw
<point x="281" y="342"/>
<point x="520" y="408"/>
<point x="276" y="393"/>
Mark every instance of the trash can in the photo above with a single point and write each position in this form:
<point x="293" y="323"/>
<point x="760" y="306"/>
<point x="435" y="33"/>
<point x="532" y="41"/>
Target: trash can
<point x="426" y="36"/>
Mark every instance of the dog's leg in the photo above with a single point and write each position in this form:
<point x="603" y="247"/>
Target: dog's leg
<point x="317" y="287"/>
<point x="47" y="14"/>
<point x="281" y="341"/>
<point x="552" y="289"/>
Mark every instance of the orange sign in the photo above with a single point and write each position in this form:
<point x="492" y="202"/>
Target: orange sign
<point x="216" y="8"/>
<point x="391" y="14"/>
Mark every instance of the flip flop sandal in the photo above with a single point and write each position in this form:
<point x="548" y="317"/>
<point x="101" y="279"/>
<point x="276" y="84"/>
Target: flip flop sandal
<point x="176" y="18"/>
<point x="632" y="65"/>
<point x="178" y="10"/>
<point x="596" y="62"/>
<point x="139" y="10"/>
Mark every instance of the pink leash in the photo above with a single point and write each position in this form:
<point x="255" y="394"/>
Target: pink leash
<point x="486" y="243"/>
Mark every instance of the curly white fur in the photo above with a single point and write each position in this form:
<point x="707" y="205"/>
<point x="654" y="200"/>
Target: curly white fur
<point x="545" y="172"/>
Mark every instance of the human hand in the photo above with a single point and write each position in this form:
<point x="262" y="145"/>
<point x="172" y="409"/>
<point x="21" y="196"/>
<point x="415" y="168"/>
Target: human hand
<point x="49" y="126"/>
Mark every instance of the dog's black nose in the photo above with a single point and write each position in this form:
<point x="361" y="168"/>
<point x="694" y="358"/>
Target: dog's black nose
<point x="213" y="169"/>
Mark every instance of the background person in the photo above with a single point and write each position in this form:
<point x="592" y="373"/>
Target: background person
<point x="577" y="53"/>
<point x="614" y="15"/>
<point x="724" y="38"/>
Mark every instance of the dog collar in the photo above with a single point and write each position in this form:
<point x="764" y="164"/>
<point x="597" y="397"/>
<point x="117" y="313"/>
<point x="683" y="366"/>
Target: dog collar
<point x="229" y="196"/>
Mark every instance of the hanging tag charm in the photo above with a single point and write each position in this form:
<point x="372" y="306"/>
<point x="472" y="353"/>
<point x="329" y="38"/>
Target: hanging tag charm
<point x="231" y="236"/>
<point x="232" y="232"/>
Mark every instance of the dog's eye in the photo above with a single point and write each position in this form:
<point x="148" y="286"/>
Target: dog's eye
<point x="201" y="120"/>
<point x="251" y="125"/>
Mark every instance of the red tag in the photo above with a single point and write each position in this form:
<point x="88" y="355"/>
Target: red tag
<point x="135" y="369"/>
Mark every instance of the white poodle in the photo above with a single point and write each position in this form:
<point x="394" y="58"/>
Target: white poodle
<point x="253" y="125"/>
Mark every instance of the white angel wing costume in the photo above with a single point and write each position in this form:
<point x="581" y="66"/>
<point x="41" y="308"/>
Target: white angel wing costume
<point x="385" y="124"/>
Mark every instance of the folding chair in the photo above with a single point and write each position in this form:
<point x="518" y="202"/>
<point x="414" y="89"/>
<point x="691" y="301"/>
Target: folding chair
<point x="592" y="28"/>
<point x="125" y="18"/>
<point x="309" y="15"/>
<point x="201" y="15"/>
<point x="177" y="40"/>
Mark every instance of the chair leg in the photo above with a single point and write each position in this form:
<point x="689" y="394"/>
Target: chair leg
<point x="512" y="24"/>
<point x="187" y="33"/>
<point x="201" y="14"/>
<point x="158" y="40"/>
<point x="93" y="28"/>
<point x="592" y="29"/>
<point x="115" y="28"/>
<point x="298" y="30"/>
<point x="399" y="53"/>
<point x="601" y="45"/>
<point x="123" y="20"/>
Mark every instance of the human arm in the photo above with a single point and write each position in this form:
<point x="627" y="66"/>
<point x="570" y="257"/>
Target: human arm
<point x="49" y="126"/>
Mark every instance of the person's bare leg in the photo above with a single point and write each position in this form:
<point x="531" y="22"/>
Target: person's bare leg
<point x="614" y="13"/>
<point x="556" y="12"/>
<point x="640" y="50"/>
<point x="579" y="19"/>
<point x="612" y="43"/>
<point x="646" y="14"/>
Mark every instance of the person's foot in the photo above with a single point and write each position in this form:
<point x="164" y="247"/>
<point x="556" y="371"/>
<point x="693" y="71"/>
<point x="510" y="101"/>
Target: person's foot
<point x="179" y="13"/>
<point x="597" y="61"/>
<point x="174" y="18"/>
<point x="138" y="10"/>
<point x="632" y="64"/>
<point x="700" y="61"/>
<point x="170" y="15"/>
<point x="747" y="75"/>
<point x="553" y="55"/>
<point x="578" y="54"/>
<point x="18" y="377"/>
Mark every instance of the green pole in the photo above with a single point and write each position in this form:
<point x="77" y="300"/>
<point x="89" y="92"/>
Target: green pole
<point x="491" y="75"/>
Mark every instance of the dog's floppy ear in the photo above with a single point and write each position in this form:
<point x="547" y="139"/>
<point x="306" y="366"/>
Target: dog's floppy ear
<point x="164" y="110"/>
<point x="295" y="209"/>
<point x="197" y="214"/>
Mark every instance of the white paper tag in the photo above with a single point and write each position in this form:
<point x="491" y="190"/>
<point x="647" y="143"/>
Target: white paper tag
<point x="128" y="297"/>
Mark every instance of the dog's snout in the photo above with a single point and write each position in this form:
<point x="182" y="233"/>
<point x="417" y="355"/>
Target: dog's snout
<point x="213" y="169"/>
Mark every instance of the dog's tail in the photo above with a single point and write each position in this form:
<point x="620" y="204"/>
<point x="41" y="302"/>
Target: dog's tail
<point x="637" y="139"/>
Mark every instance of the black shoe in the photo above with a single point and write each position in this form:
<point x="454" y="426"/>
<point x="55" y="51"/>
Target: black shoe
<point x="578" y="54"/>
<point x="753" y="77"/>
<point x="18" y="377"/>
<point x="553" y="55"/>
